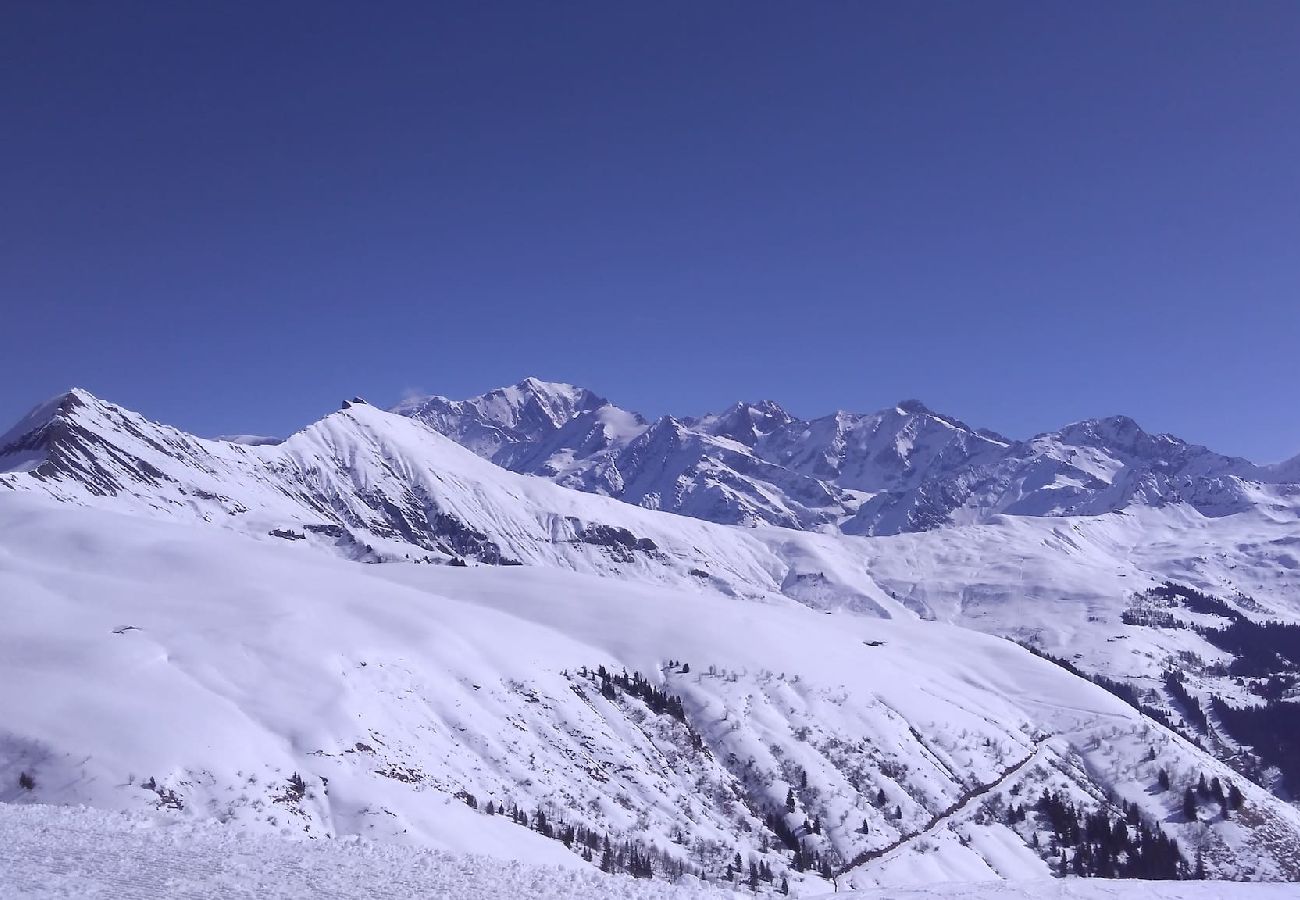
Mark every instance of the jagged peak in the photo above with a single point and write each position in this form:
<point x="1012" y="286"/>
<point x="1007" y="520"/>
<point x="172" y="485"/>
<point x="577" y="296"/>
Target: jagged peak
<point x="744" y="421"/>
<point x="59" y="406"/>
<point x="1103" y="431"/>
<point x="560" y="400"/>
<point x="767" y="407"/>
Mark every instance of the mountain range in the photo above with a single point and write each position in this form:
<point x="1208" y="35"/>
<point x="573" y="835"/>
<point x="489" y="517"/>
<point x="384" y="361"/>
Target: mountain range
<point x="736" y="634"/>
<point x="901" y="469"/>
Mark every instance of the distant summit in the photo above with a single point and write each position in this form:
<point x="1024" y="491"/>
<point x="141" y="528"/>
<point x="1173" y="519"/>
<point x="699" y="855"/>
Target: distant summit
<point x="904" y="468"/>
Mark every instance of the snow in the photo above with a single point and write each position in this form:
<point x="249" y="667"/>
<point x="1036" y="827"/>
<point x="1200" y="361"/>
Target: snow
<point x="1084" y="889"/>
<point x="55" y="852"/>
<point x="186" y="626"/>
<point x="757" y="464"/>
<point x="393" y="688"/>
<point x="84" y="853"/>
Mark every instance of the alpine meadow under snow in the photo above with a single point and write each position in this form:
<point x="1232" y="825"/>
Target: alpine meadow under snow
<point x="533" y="644"/>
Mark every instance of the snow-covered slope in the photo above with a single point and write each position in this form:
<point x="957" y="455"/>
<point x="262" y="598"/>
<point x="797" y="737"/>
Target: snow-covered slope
<point x="1089" y="468"/>
<point x="150" y="664"/>
<point x="57" y="852"/>
<point x="371" y="485"/>
<point x="207" y="589"/>
<point x="1092" y="889"/>
<point x="375" y="486"/>
<point x="903" y="469"/>
<point x="70" y="852"/>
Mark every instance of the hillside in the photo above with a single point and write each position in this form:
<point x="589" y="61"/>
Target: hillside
<point x="822" y="704"/>
<point x="154" y="665"/>
<point x="71" y="852"/>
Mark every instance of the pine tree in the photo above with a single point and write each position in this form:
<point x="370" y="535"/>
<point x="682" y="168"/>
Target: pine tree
<point x="789" y="800"/>
<point x="1189" y="805"/>
<point x="1164" y="779"/>
<point x="1235" y="799"/>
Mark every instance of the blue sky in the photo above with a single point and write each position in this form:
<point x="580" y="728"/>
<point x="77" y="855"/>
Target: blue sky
<point x="231" y="215"/>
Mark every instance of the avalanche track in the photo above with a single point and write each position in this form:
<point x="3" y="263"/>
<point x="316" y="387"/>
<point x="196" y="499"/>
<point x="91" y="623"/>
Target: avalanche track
<point x="943" y="816"/>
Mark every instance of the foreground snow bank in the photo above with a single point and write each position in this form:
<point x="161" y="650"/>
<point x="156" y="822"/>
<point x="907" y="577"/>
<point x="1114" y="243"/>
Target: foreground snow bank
<point x="54" y="852"/>
<point x="79" y="852"/>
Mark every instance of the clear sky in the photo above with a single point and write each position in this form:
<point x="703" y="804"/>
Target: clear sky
<point x="231" y="215"/>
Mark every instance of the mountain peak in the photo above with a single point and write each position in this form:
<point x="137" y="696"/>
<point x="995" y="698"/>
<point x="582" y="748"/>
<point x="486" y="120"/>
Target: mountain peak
<point x="913" y="408"/>
<point x="42" y="415"/>
<point x="1106" y="430"/>
<point x="745" y="422"/>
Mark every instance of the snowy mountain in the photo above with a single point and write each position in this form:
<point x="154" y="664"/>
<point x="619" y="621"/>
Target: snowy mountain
<point x="190" y="634"/>
<point x="193" y="672"/>
<point x="368" y="484"/>
<point x="899" y="470"/>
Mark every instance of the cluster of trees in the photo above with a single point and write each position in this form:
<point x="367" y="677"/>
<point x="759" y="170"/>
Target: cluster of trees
<point x="1260" y="648"/>
<point x="1174" y="683"/>
<point x="1272" y="729"/>
<point x="805" y="857"/>
<point x="1149" y="618"/>
<point x="1194" y="600"/>
<point x="1169" y="594"/>
<point x="660" y="701"/>
<point x="1095" y="845"/>
<point x="632" y="857"/>
<point x="1275" y="687"/>
<point x="1229" y="800"/>
<point x="629" y="857"/>
<point x="759" y="872"/>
